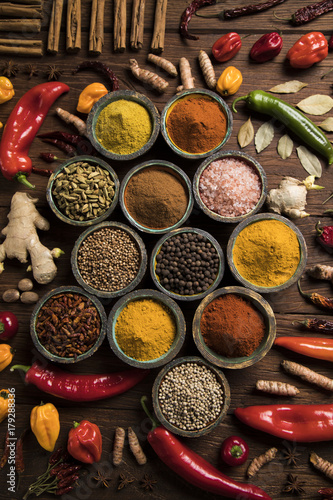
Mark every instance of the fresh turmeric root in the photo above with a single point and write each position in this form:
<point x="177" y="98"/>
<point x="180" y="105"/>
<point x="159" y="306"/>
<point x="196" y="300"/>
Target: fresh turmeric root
<point x="308" y="375"/>
<point x="321" y="272"/>
<point x="207" y="69"/>
<point x="163" y="63"/>
<point x="276" y="387"/>
<point x="185" y="75"/>
<point x="263" y="459"/>
<point x="321" y="464"/>
<point x="148" y="77"/>
<point x="135" y="447"/>
<point x="21" y="238"/>
<point x="118" y="446"/>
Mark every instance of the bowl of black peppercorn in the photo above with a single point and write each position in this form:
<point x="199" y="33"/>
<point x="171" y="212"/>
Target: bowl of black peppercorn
<point x="187" y="264"/>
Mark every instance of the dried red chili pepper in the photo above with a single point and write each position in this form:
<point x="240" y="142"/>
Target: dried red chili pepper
<point x="325" y="237"/>
<point x="311" y="48"/>
<point x="326" y="493"/>
<point x="45" y="172"/>
<point x="267" y="47"/>
<point x="83" y="146"/>
<point x="318" y="325"/>
<point x="246" y="10"/>
<point x="187" y="16"/>
<point x="19" y="460"/>
<point x="63" y="491"/>
<point x="227" y="46"/>
<point x="67" y="481"/>
<point x="317" y="299"/>
<point x="310" y="12"/>
<point x="100" y="67"/>
<point x="56" y="456"/>
<point x="69" y="470"/>
<point x="6" y="449"/>
<point x="49" y="158"/>
<point x="63" y="146"/>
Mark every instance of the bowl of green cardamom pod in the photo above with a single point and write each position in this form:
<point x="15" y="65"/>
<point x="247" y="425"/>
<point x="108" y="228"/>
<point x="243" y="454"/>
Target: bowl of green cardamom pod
<point x="83" y="191"/>
<point x="123" y="125"/>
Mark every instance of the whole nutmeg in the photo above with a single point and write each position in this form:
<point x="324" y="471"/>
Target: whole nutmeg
<point x="11" y="295"/>
<point x="25" y="285"/>
<point x="29" y="297"/>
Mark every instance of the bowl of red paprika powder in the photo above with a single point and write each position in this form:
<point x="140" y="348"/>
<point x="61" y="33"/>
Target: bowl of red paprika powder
<point x="196" y="123"/>
<point x="234" y="327"/>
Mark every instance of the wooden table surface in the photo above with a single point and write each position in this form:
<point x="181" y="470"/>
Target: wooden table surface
<point x="288" y="306"/>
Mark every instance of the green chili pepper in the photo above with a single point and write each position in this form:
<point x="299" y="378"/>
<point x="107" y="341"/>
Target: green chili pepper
<point x="294" y="120"/>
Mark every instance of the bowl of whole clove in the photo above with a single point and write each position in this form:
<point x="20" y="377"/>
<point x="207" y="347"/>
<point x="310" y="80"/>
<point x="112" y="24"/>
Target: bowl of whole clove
<point x="68" y="325"/>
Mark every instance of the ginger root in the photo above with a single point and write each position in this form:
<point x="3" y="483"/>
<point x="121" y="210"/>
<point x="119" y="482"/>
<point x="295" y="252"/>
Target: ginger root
<point x="21" y="238"/>
<point x="290" y="197"/>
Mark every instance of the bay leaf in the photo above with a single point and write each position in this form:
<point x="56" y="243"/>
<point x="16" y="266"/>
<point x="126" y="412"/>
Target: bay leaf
<point x="309" y="161"/>
<point x="327" y="124"/>
<point x="317" y="104"/>
<point x="264" y="136"/>
<point x="245" y="134"/>
<point x="285" y="146"/>
<point x="290" y="87"/>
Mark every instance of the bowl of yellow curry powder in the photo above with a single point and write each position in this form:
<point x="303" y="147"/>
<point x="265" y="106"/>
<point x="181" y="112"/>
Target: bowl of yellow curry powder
<point x="267" y="253"/>
<point x="123" y="125"/>
<point x="146" y="328"/>
<point x="196" y="123"/>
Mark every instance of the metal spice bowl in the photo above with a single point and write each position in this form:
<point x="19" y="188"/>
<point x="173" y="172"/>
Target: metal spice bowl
<point x="168" y="167"/>
<point x="238" y="362"/>
<point x="133" y="237"/>
<point x="94" y="203"/>
<point x="58" y="336"/>
<point x="221" y="379"/>
<point x="129" y="95"/>
<point x="166" y="301"/>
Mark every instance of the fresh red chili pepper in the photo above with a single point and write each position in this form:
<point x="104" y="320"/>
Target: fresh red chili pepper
<point x="325" y="237"/>
<point x="8" y="325"/>
<point x="303" y="423"/>
<point x="267" y="47"/>
<point x="226" y="47"/>
<point x="313" y="347"/>
<point x="187" y="16"/>
<point x="308" y="50"/>
<point x="22" y="126"/>
<point x="234" y="451"/>
<point x="317" y="299"/>
<point x="73" y="387"/>
<point x="85" y="442"/>
<point x="195" y="469"/>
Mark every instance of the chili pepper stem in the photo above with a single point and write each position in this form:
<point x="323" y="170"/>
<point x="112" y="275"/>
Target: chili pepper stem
<point x="305" y="295"/>
<point x="154" y="422"/>
<point x="24" y="368"/>
<point x="211" y="16"/>
<point x="23" y="180"/>
<point x="282" y="18"/>
<point x="318" y="229"/>
<point x="242" y="98"/>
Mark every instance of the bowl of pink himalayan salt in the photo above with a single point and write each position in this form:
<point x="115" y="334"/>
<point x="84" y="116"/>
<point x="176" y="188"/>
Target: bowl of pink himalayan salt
<point x="230" y="186"/>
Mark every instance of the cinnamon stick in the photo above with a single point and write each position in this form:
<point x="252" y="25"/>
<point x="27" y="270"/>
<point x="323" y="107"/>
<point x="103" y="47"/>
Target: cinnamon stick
<point x="137" y="26"/>
<point x="73" y="27"/>
<point x="28" y="2"/>
<point x="157" y="43"/>
<point x="96" y="35"/>
<point x="55" y="25"/>
<point x="17" y="11"/>
<point x="19" y="25"/>
<point x="119" y="33"/>
<point x="15" y="47"/>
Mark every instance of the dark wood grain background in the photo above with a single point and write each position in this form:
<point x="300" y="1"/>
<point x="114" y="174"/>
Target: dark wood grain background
<point x="125" y="410"/>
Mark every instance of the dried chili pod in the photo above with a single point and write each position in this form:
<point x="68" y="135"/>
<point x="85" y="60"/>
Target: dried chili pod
<point x="63" y="491"/>
<point x="45" y="172"/>
<point x="245" y="10"/>
<point x="310" y="12"/>
<point x="56" y="456"/>
<point x="267" y="47"/>
<point x="67" y="481"/>
<point x="317" y="299"/>
<point x="325" y="237"/>
<point x="326" y="493"/>
<point x="187" y="16"/>
<point x="83" y="146"/>
<point x="5" y="453"/>
<point x="68" y="471"/>
<point x="49" y="157"/>
<point x="100" y="67"/>
<point x="63" y="146"/>
<point x="317" y="325"/>
<point x="19" y="461"/>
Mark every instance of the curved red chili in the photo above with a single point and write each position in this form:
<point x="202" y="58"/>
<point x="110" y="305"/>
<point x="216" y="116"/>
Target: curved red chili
<point x="195" y="469"/>
<point x="303" y="423"/>
<point x="21" y="127"/>
<point x="86" y="387"/>
<point x="187" y="16"/>
<point x="314" y="347"/>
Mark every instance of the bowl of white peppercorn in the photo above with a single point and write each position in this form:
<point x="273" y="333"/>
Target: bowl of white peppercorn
<point x="190" y="396"/>
<point x="83" y="191"/>
<point x="109" y="259"/>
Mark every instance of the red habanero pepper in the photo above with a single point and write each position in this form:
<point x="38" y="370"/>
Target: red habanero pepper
<point x="303" y="423"/>
<point x="234" y="451"/>
<point x="267" y="47"/>
<point x="226" y="47"/>
<point x="195" y="469"/>
<point x="308" y="50"/>
<point x="8" y="325"/>
<point x="325" y="237"/>
<point x="22" y="126"/>
<point x="86" y="387"/>
<point x="85" y="442"/>
<point x="313" y="347"/>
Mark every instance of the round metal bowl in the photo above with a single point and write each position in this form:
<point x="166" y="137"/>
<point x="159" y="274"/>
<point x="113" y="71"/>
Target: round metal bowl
<point x="53" y="204"/>
<point x="189" y="93"/>
<point x="220" y="377"/>
<point x="238" y="155"/>
<point x="122" y="291"/>
<point x="37" y="309"/>
<point x="302" y="246"/>
<point x="130" y="96"/>
<point x="166" y="301"/>
<point x="157" y="249"/>
<point x="167" y="167"/>
<point x="236" y="362"/>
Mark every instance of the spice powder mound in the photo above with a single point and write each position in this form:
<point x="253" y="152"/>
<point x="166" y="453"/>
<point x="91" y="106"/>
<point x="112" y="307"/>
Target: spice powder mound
<point x="231" y="326"/>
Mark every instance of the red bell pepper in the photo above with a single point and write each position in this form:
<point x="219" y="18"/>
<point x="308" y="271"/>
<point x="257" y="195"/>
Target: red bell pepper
<point x="22" y="126"/>
<point x="226" y="47"/>
<point x="87" y="387"/>
<point x="85" y="442"/>
<point x="308" y="50"/>
<point x="8" y="325"/>
<point x="267" y="47"/>
<point x="319" y="348"/>
<point x="195" y="469"/>
<point x="303" y="423"/>
<point x="234" y="451"/>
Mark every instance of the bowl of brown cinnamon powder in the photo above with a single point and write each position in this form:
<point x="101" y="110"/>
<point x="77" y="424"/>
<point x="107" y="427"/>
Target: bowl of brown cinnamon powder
<point x="234" y="327"/>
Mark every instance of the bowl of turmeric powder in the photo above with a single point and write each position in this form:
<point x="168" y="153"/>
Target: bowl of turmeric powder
<point x="123" y="125"/>
<point x="234" y="327"/>
<point x="146" y="328"/>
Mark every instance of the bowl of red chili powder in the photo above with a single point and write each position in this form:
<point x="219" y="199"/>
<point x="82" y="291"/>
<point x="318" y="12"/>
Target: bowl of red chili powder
<point x="234" y="327"/>
<point x="196" y="123"/>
